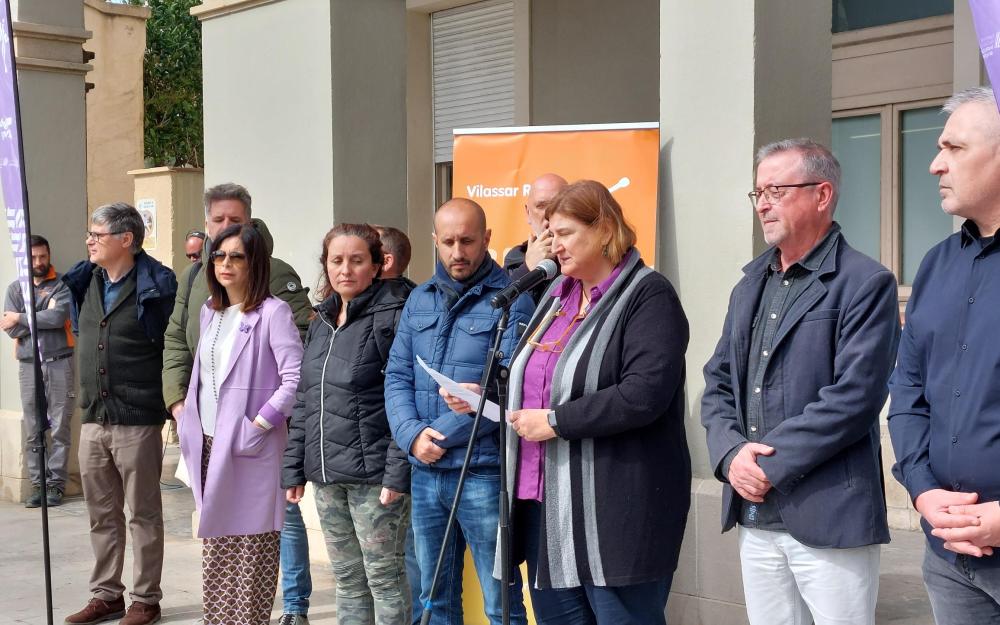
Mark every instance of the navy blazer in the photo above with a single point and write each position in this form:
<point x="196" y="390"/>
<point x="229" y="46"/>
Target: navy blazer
<point x="155" y="284"/>
<point x="824" y="386"/>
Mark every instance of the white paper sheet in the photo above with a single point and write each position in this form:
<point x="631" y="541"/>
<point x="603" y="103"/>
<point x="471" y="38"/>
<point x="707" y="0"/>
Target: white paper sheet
<point x="491" y="411"/>
<point x="182" y="473"/>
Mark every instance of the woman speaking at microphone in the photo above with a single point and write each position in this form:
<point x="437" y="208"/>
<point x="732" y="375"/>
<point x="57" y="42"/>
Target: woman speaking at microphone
<point x="597" y="456"/>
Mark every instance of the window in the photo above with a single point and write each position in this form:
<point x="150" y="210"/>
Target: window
<point x="889" y="205"/>
<point x="442" y="182"/>
<point x="857" y="14"/>
<point x="472" y="59"/>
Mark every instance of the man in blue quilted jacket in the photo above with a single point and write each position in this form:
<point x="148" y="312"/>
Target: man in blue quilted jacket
<point x="449" y="323"/>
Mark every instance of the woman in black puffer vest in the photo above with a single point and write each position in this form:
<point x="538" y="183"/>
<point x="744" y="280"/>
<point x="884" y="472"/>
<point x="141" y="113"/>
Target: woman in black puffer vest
<point x="339" y="436"/>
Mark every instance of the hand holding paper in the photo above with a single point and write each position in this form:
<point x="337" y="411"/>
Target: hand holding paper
<point x="491" y="411"/>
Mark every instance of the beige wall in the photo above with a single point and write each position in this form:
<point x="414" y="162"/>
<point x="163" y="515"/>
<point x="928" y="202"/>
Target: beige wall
<point x="419" y="145"/>
<point x="894" y="63"/>
<point x="594" y="61"/>
<point x="58" y="13"/>
<point x="269" y="119"/>
<point x="733" y="76"/>
<point x="369" y="111"/>
<point x="317" y="132"/>
<point x="115" y="104"/>
<point x="48" y="36"/>
<point x="175" y="195"/>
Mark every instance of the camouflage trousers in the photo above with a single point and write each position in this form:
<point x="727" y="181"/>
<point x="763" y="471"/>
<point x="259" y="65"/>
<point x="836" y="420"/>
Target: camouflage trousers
<point x="365" y="541"/>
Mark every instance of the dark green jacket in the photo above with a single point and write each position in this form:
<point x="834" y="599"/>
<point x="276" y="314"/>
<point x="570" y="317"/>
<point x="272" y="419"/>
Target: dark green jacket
<point x="119" y="364"/>
<point x="183" y="330"/>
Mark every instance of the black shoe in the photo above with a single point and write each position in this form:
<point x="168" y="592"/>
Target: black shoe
<point x="35" y="498"/>
<point x="54" y="496"/>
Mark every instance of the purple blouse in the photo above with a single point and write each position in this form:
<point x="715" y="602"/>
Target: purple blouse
<point x="537" y="386"/>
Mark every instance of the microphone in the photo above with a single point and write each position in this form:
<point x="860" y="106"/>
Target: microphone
<point x="545" y="270"/>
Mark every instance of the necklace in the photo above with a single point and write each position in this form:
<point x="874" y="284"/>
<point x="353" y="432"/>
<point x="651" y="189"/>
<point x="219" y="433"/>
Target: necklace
<point x="214" y="354"/>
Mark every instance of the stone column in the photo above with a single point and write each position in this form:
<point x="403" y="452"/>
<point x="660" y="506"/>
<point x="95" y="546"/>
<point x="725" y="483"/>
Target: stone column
<point x="115" y="106"/>
<point x="48" y="38"/>
<point x="734" y="75"/>
<point x="173" y="195"/>
<point x="305" y="105"/>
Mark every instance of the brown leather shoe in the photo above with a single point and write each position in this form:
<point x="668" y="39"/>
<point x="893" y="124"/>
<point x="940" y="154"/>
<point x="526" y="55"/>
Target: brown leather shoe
<point x="140" y="613"/>
<point x="98" y="611"/>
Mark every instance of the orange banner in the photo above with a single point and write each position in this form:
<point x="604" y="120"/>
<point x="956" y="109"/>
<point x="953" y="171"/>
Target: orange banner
<point x="495" y="168"/>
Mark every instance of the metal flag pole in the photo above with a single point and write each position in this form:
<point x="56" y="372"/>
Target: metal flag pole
<point x="19" y="224"/>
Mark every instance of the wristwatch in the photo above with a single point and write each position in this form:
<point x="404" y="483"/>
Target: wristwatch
<point x="553" y="424"/>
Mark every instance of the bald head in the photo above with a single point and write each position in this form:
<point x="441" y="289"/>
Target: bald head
<point x="543" y="189"/>
<point x="463" y="209"/>
<point x="461" y="237"/>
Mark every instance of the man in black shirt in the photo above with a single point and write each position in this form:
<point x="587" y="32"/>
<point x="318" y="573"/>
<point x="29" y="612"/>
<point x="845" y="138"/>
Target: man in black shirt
<point x="944" y="417"/>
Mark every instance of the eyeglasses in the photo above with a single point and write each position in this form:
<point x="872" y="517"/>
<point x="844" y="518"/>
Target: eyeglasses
<point x="773" y="193"/>
<point x="219" y="257"/>
<point x="195" y="256"/>
<point x="556" y="346"/>
<point x="97" y="235"/>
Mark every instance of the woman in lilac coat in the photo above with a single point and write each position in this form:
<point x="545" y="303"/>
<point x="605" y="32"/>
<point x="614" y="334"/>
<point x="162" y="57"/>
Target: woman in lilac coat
<point x="234" y="428"/>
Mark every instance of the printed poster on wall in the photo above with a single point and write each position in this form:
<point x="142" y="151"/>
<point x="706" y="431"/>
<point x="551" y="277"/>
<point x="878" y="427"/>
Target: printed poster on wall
<point x="495" y="167"/>
<point x="147" y="209"/>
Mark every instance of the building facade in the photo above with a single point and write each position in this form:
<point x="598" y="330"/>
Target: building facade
<point x="343" y="111"/>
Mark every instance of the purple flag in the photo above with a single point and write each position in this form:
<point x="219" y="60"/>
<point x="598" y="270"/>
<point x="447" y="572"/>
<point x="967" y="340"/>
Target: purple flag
<point x="11" y="179"/>
<point x="986" y="17"/>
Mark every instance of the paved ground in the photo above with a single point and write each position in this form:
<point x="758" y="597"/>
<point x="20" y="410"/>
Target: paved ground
<point x="22" y="584"/>
<point x="901" y="598"/>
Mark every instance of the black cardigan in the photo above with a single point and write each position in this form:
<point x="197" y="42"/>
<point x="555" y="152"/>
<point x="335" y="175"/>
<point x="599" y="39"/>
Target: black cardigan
<point x="635" y="421"/>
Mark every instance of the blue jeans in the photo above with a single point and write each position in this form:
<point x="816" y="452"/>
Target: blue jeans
<point x="553" y="606"/>
<point x="959" y="593"/>
<point x="296" y="583"/>
<point x="638" y="604"/>
<point x="476" y="525"/>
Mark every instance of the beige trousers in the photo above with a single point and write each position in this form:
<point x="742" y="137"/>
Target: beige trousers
<point x="120" y="464"/>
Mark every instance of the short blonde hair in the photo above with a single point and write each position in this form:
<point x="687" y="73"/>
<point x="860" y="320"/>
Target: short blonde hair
<point x="590" y="203"/>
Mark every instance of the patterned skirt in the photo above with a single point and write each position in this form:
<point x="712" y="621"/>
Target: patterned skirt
<point x="239" y="573"/>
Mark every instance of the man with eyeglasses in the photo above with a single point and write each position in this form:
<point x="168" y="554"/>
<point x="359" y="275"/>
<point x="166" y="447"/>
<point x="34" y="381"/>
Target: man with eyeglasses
<point x="944" y="417"/>
<point x="792" y="397"/>
<point x="121" y="300"/>
<point x="225" y="205"/>
<point x="55" y="342"/>
<point x="193" y="244"/>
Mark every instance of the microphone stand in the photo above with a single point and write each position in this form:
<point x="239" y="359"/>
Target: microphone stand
<point x="495" y="373"/>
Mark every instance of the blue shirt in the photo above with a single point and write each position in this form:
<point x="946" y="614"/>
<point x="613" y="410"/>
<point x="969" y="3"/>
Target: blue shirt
<point x="944" y="416"/>
<point x="112" y="289"/>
